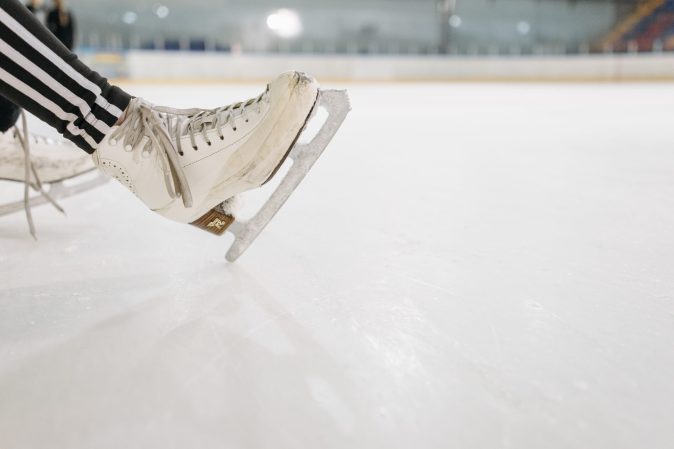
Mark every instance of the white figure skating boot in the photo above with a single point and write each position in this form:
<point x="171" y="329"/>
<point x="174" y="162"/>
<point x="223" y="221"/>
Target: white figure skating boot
<point x="184" y="163"/>
<point x="38" y="161"/>
<point x="53" y="160"/>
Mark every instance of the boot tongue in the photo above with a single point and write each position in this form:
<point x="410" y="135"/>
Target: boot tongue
<point x="187" y="117"/>
<point x="170" y="121"/>
<point x="183" y="127"/>
<point x="205" y="119"/>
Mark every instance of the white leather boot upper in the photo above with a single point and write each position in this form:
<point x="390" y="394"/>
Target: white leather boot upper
<point x="182" y="163"/>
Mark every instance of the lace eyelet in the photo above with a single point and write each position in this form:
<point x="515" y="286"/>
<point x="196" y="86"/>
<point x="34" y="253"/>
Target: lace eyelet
<point x="195" y="148"/>
<point x="222" y="137"/>
<point x="181" y="153"/>
<point x="234" y="128"/>
<point x="208" y="143"/>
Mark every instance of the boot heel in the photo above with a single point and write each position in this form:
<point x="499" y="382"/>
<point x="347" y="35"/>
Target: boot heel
<point x="214" y="221"/>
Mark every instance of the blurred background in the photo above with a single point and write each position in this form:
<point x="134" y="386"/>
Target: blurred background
<point x="378" y="39"/>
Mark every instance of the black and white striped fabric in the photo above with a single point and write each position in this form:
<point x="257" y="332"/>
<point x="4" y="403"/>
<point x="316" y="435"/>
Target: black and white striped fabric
<point x="41" y="75"/>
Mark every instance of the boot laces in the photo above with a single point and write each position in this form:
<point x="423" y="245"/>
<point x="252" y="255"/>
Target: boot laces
<point x="200" y="121"/>
<point x="24" y="139"/>
<point x="149" y="128"/>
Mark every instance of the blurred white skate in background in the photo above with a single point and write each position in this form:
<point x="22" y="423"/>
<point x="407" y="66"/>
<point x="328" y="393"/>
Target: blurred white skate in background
<point x="48" y="168"/>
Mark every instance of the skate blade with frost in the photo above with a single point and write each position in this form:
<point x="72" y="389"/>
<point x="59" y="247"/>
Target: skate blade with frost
<point x="59" y="190"/>
<point x="303" y="156"/>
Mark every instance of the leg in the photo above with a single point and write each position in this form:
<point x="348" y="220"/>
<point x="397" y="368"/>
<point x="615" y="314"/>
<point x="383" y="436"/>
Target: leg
<point x="39" y="74"/>
<point x="9" y="114"/>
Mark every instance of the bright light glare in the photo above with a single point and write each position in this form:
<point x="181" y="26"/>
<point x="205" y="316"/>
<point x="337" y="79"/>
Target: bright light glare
<point x="129" y="17"/>
<point x="162" y="11"/>
<point x="285" y="22"/>
<point x="455" y="21"/>
<point x="523" y="27"/>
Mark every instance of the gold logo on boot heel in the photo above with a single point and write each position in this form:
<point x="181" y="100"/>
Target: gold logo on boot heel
<point x="214" y="222"/>
<point x="217" y="224"/>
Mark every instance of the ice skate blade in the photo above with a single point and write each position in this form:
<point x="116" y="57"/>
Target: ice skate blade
<point x="303" y="156"/>
<point x="57" y="191"/>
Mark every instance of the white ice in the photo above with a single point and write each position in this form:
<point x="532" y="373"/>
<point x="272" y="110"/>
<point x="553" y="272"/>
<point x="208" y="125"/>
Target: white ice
<point x="467" y="266"/>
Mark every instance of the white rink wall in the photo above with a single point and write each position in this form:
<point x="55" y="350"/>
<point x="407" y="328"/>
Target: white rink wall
<point x="211" y="66"/>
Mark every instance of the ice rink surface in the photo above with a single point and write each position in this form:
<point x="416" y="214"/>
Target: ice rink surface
<point x="467" y="266"/>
